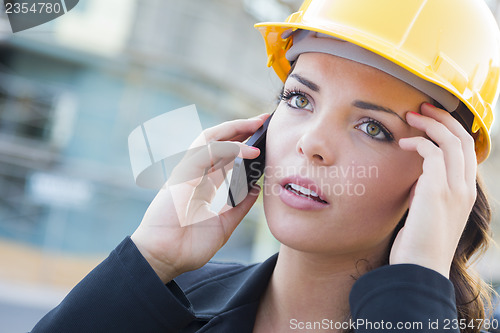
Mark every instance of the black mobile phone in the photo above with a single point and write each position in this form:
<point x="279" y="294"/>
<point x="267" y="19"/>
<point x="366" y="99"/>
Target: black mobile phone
<point x="247" y="172"/>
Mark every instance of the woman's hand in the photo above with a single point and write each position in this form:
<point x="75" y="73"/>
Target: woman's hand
<point x="444" y="194"/>
<point x="179" y="232"/>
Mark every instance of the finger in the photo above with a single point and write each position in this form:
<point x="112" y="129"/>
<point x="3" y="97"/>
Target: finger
<point x="199" y="205"/>
<point x="197" y="161"/>
<point x="200" y="161"/>
<point x="195" y="201"/>
<point x="243" y="137"/>
<point x="220" y="159"/>
<point x="449" y="145"/>
<point x="467" y="141"/>
<point x="246" y="151"/>
<point x="433" y="165"/>
<point x="229" y="130"/>
<point x="231" y="216"/>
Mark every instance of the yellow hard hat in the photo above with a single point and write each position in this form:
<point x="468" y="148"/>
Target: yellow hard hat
<point x="454" y="44"/>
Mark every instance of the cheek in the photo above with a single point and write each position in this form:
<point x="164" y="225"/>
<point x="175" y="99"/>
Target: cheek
<point x="280" y="138"/>
<point x="385" y="188"/>
<point x="390" y="181"/>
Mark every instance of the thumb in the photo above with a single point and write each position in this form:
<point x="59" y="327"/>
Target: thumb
<point x="232" y="216"/>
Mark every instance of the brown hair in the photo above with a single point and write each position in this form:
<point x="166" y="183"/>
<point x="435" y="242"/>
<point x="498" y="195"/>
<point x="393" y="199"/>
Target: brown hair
<point x="472" y="294"/>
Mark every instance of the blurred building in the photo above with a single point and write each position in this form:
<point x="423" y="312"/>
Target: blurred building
<point x="73" y="89"/>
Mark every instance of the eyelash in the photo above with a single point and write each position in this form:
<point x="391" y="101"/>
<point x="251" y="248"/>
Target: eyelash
<point x="287" y="94"/>
<point x="389" y="137"/>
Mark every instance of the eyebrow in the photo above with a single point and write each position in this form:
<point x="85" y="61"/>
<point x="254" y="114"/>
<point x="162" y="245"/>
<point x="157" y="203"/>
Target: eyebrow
<point x="357" y="103"/>
<point x="311" y="85"/>
<point x="375" y="107"/>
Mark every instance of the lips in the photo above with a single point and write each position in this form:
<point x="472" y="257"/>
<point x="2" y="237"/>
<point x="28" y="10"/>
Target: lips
<point x="303" y="187"/>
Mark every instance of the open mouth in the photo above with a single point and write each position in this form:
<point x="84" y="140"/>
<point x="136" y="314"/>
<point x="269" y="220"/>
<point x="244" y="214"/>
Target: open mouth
<point x="303" y="192"/>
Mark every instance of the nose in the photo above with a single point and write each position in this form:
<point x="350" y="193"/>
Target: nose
<point x="317" y="143"/>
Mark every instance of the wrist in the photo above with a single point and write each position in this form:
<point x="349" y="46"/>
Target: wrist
<point x="442" y="269"/>
<point x="165" y="272"/>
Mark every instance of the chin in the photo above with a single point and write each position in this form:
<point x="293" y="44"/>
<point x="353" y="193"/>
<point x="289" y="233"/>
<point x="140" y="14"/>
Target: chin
<point x="287" y="228"/>
<point x="298" y="230"/>
<point x="305" y="232"/>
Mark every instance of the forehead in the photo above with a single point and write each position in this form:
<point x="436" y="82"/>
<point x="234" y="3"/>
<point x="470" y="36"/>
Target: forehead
<point x="325" y="69"/>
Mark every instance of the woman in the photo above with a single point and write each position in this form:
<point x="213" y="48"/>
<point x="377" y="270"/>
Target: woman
<point x="370" y="186"/>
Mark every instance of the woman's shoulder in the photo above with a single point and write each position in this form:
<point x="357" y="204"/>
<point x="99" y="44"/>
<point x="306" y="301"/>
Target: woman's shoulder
<point x="216" y="271"/>
<point x="219" y="287"/>
<point x="211" y="271"/>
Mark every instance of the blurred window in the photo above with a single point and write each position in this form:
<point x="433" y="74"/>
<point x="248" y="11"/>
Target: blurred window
<point x="31" y="111"/>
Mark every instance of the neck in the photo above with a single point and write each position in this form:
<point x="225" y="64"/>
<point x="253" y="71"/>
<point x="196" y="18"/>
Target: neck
<point x="309" y="288"/>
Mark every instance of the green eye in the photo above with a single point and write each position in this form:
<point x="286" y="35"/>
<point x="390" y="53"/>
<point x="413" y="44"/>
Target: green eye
<point x="296" y="99"/>
<point x="375" y="130"/>
<point x="372" y="129"/>
<point x="300" y="101"/>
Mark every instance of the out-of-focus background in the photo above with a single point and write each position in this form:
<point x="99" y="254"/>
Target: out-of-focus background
<point x="73" y="89"/>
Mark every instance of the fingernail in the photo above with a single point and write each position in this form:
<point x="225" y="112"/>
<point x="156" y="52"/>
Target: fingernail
<point x="259" y="116"/>
<point x="413" y="112"/>
<point x="254" y="148"/>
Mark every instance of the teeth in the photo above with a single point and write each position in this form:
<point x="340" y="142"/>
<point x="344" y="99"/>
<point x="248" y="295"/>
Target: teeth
<point x="303" y="190"/>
